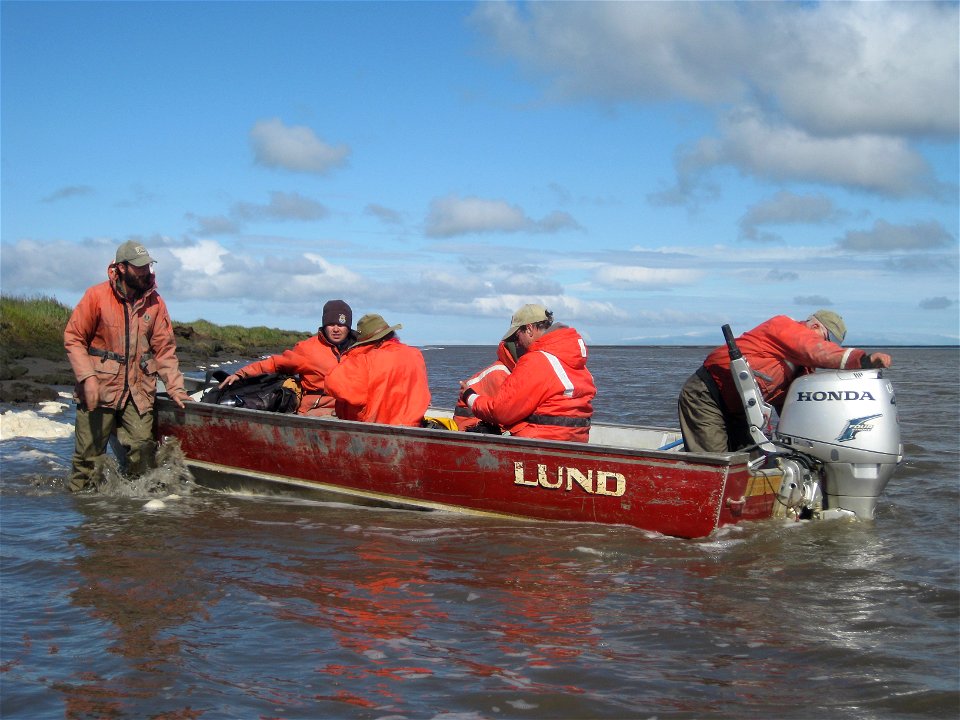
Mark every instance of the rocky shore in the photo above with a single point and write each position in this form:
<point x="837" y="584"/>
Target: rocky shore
<point x="34" y="365"/>
<point x="30" y="380"/>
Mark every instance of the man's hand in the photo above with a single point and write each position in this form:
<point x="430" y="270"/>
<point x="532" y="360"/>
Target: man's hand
<point x="469" y="397"/>
<point x="91" y="393"/>
<point x="180" y="398"/>
<point x="881" y="360"/>
<point x="230" y="380"/>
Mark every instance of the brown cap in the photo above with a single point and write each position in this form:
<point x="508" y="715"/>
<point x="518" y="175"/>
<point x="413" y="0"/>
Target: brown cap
<point x="337" y="312"/>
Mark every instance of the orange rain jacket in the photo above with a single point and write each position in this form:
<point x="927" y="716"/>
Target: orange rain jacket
<point x="778" y="350"/>
<point x="551" y="379"/>
<point x="312" y="360"/>
<point x="384" y="382"/>
<point x="132" y="343"/>
<point x="485" y="382"/>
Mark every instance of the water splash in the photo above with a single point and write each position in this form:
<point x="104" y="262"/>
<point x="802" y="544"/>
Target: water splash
<point x="171" y="476"/>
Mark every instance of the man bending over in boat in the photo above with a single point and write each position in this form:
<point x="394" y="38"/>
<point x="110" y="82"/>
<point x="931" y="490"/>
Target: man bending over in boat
<point x="711" y="412"/>
<point x="486" y="382"/>
<point x="311" y="359"/>
<point x="550" y="392"/>
<point x="380" y="379"/>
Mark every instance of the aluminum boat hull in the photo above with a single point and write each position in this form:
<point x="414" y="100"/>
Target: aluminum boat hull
<point x="681" y="494"/>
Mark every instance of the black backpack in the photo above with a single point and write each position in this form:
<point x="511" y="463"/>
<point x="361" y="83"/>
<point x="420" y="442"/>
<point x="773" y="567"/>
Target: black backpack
<point x="272" y="392"/>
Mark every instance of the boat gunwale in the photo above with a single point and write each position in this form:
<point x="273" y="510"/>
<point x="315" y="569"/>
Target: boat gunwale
<point x="731" y="461"/>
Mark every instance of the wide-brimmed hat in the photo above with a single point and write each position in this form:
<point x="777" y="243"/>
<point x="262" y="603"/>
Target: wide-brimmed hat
<point x="371" y="327"/>
<point x="525" y="316"/>
<point x="134" y="253"/>
<point x="834" y="324"/>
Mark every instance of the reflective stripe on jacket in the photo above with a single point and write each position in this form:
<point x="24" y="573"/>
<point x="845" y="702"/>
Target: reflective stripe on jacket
<point x="312" y="360"/>
<point x="550" y="379"/>
<point x="778" y="350"/>
<point x="383" y="382"/>
<point x="485" y="382"/>
<point x="133" y="344"/>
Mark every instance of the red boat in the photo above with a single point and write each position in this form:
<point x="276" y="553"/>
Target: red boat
<point x="625" y="475"/>
<point x="835" y="447"/>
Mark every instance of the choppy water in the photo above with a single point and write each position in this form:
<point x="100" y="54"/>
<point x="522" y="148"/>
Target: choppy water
<point x="225" y="606"/>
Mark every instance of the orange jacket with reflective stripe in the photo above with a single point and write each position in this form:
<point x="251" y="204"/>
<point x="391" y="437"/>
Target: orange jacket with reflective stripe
<point x="778" y="350"/>
<point x="485" y="382"/>
<point x="312" y="360"/>
<point x="128" y="332"/>
<point x="550" y="379"/>
<point x="384" y="382"/>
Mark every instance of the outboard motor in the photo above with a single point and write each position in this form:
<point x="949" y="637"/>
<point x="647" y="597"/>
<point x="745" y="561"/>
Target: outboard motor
<point x="837" y="442"/>
<point x="848" y="420"/>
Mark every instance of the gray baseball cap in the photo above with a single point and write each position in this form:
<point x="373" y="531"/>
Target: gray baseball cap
<point x="134" y="253"/>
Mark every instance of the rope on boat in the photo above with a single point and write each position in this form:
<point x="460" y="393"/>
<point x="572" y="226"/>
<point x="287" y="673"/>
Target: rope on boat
<point x="671" y="445"/>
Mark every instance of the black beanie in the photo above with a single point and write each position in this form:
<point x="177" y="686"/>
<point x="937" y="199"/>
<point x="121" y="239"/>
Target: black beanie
<point x="337" y="312"/>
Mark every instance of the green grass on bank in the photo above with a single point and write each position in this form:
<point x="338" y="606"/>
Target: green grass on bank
<point x="33" y="327"/>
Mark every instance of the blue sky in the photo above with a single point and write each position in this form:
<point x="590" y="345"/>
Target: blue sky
<point x="648" y="170"/>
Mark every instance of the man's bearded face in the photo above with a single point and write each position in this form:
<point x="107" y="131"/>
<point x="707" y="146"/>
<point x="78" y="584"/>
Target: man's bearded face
<point x="137" y="279"/>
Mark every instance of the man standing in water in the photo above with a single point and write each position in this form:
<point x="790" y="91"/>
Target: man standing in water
<point x="118" y="340"/>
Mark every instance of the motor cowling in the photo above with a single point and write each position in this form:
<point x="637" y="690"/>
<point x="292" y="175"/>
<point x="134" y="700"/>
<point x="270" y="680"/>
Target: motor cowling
<point x="848" y="420"/>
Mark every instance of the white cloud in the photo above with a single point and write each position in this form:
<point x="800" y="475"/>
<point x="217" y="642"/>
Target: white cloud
<point x="452" y="215"/>
<point x="786" y="208"/>
<point x="213" y="224"/>
<point x="204" y="258"/>
<point x="625" y="51"/>
<point x="457" y="216"/>
<point x="830" y="68"/>
<point x="330" y="274"/>
<point x="294" y="148"/>
<point x="565" y="308"/>
<point x="282" y="206"/>
<point x="884" y="237"/>
<point x="781" y="153"/>
<point x="830" y="93"/>
<point x="642" y="278"/>
<point x="880" y="67"/>
<point x="32" y="266"/>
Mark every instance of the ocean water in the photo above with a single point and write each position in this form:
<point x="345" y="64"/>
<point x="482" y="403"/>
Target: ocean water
<point x="133" y="603"/>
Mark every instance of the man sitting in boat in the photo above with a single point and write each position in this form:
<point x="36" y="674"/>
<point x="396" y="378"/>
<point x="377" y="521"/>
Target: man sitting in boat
<point x="311" y="359"/>
<point x="550" y="392"/>
<point x="380" y="379"/>
<point x="711" y="412"/>
<point x="486" y="382"/>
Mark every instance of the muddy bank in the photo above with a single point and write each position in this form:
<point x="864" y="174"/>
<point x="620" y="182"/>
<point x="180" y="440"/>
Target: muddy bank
<point x="30" y="380"/>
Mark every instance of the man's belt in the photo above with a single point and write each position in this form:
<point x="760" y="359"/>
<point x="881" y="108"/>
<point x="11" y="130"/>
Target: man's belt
<point x="107" y="355"/>
<point x="559" y="420"/>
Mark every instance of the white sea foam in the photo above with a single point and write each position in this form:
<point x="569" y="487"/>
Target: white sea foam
<point x="52" y="407"/>
<point x="27" y="423"/>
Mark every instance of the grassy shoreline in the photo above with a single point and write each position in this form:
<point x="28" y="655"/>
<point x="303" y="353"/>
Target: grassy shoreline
<point x="33" y="362"/>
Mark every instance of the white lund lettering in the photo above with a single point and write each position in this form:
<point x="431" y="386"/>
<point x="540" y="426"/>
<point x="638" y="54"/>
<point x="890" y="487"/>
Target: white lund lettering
<point x="600" y="482"/>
